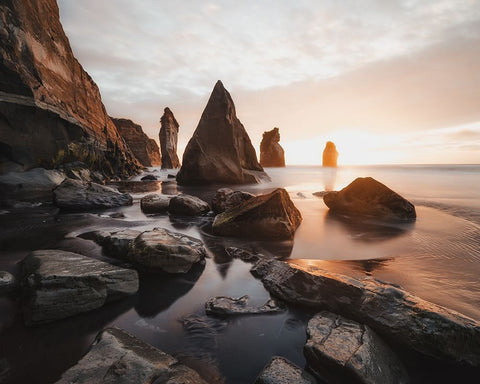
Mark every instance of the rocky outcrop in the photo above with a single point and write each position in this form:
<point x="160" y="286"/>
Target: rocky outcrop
<point x="342" y="350"/>
<point x="220" y="150"/>
<point x="118" y="357"/>
<point x="386" y="308"/>
<point x="226" y="198"/>
<point x="271" y="217"/>
<point x="187" y="205"/>
<point x="7" y="282"/>
<point x="330" y="155"/>
<point x="76" y="195"/>
<point x="51" y="111"/>
<point x="271" y="152"/>
<point x="282" y="371"/>
<point x="229" y="306"/>
<point x="168" y="140"/>
<point x="144" y="148"/>
<point x="155" y="203"/>
<point x="366" y="197"/>
<point x="59" y="284"/>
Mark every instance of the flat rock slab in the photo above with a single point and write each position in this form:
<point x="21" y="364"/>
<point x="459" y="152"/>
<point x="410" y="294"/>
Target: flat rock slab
<point x="187" y="205"/>
<point x="386" y="308"/>
<point x="76" y="195"/>
<point x="60" y="284"/>
<point x="155" y="203"/>
<point x="339" y="349"/>
<point x="281" y="371"/>
<point x="223" y="305"/>
<point x="120" y="358"/>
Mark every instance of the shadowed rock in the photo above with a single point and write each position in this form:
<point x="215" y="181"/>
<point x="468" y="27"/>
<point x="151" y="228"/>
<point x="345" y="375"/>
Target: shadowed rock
<point x="272" y="217"/>
<point x="7" y="282"/>
<point x="228" y="306"/>
<point x="281" y="371"/>
<point x="220" y="150"/>
<point x="155" y="203"/>
<point x="168" y="140"/>
<point x="343" y="350"/>
<point x="226" y="198"/>
<point x="330" y="155"/>
<point x="271" y="152"/>
<point x="366" y="197"/>
<point x="187" y="205"/>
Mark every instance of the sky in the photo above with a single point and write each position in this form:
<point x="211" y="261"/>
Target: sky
<point x="389" y="81"/>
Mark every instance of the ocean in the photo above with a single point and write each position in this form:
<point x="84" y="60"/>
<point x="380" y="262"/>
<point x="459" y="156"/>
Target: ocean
<point x="437" y="257"/>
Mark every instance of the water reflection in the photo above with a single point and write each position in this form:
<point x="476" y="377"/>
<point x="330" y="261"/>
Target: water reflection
<point x="329" y="178"/>
<point x="345" y="267"/>
<point x="169" y="187"/>
<point x="133" y="186"/>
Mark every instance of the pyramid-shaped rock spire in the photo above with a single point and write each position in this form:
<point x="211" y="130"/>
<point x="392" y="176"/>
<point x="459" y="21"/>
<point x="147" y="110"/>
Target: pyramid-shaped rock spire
<point x="220" y="150"/>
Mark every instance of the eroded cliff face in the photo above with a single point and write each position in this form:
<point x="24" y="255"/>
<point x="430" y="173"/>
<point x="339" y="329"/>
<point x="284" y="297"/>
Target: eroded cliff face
<point x="168" y="140"/>
<point x="144" y="148"/>
<point x="50" y="108"/>
<point x="271" y="152"/>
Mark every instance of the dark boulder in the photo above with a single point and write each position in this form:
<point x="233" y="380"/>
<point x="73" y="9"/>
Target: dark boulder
<point x="271" y="152"/>
<point x="149" y="178"/>
<point x="7" y="282"/>
<point x="229" y="306"/>
<point x="168" y="140"/>
<point x="155" y="203"/>
<point x="282" y="371"/>
<point x="330" y="155"/>
<point x="187" y="205"/>
<point x="226" y="198"/>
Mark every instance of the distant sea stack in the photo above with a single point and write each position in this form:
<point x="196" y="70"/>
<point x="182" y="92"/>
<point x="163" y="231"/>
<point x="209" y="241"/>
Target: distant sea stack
<point x="220" y="150"/>
<point x="271" y="152"/>
<point x="330" y="155"/>
<point x="50" y="108"/>
<point x="144" y="148"/>
<point x="168" y="140"/>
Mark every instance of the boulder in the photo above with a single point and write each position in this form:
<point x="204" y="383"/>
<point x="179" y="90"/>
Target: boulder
<point x="114" y="244"/>
<point x="168" y="140"/>
<point x="144" y="148"/>
<point x="7" y="282"/>
<point x="59" y="284"/>
<point x="187" y="205"/>
<point x="386" y="308"/>
<point x="155" y="203"/>
<point x="118" y="357"/>
<point x="342" y="350"/>
<point x="226" y="198"/>
<point x="330" y="155"/>
<point x="271" y="152"/>
<point x="228" y="306"/>
<point x="51" y="110"/>
<point x="220" y="150"/>
<point x="149" y="177"/>
<point x="75" y="195"/>
<point x="77" y="171"/>
<point x="366" y="197"/>
<point x="271" y="217"/>
<point x="282" y="371"/>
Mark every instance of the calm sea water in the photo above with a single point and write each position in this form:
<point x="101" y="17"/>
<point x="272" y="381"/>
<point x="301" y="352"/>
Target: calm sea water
<point x="437" y="258"/>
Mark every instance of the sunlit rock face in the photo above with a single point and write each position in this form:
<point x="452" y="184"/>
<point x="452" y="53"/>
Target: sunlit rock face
<point x="330" y="155"/>
<point x="271" y="152"/>
<point x="50" y="108"/>
<point x="168" y="140"/>
<point x="220" y="150"/>
<point x="144" y="148"/>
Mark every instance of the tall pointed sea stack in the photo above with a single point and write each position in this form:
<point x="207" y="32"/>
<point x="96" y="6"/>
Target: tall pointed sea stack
<point x="330" y="155"/>
<point x="271" y="152"/>
<point x="168" y="140"/>
<point x="220" y="151"/>
<point x="50" y="108"/>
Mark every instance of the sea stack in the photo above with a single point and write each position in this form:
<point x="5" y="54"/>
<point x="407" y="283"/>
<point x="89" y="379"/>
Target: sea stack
<point x="330" y="155"/>
<point x="168" y="140"/>
<point x="50" y="108"/>
<point x="144" y="148"/>
<point x="271" y="152"/>
<point x="220" y="151"/>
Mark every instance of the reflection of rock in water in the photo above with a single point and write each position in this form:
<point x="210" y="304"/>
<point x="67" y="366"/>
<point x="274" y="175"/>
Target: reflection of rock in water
<point x="137" y="186"/>
<point x="329" y="178"/>
<point x="169" y="187"/>
<point x="365" y="267"/>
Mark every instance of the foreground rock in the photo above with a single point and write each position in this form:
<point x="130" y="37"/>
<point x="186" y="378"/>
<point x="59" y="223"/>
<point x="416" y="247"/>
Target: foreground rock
<point x="155" y="203"/>
<point x="271" y="152"/>
<point x="75" y="195"/>
<point x="7" y="282"/>
<point x="340" y="349"/>
<point x="168" y="140"/>
<point x="59" y="284"/>
<point x="271" y="217"/>
<point x="226" y="198"/>
<point x="228" y="306"/>
<point x="220" y="150"/>
<point x="366" y="197"/>
<point x="118" y="357"/>
<point x="330" y="155"/>
<point x="187" y="205"/>
<point x="389" y="310"/>
<point x="144" y="148"/>
<point x="281" y="371"/>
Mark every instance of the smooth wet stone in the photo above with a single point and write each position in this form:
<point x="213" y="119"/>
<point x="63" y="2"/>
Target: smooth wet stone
<point x="155" y="203"/>
<point x="75" y="195"/>
<point x="59" y="284"/>
<point x="366" y="197"/>
<point x="7" y="282"/>
<point x="282" y="371"/>
<point x="226" y="198"/>
<point x="120" y="358"/>
<point x="115" y="244"/>
<point x="342" y="350"/>
<point x="386" y="308"/>
<point x="187" y="205"/>
<point x="222" y="305"/>
<point x="272" y="216"/>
